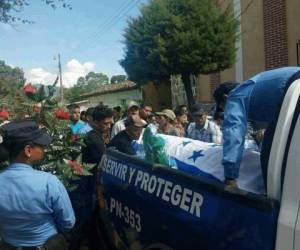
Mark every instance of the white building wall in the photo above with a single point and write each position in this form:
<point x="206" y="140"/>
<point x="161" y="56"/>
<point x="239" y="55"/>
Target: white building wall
<point x="121" y="98"/>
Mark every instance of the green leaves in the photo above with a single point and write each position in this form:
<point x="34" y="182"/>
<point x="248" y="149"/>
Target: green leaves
<point x="11" y="79"/>
<point x="86" y="84"/>
<point x="179" y="36"/>
<point x="59" y="156"/>
<point x="117" y="79"/>
<point x="9" y="9"/>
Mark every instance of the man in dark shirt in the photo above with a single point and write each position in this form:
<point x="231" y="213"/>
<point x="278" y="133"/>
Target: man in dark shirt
<point x="83" y="198"/>
<point x="94" y="149"/>
<point x="123" y="141"/>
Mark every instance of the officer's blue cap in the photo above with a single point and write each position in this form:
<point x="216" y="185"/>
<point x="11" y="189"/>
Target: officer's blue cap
<point x="24" y="132"/>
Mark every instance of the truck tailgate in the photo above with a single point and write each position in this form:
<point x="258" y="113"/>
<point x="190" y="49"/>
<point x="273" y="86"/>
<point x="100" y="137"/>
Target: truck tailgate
<point x="148" y="206"/>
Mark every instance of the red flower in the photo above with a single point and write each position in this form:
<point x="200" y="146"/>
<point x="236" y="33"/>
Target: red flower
<point x="78" y="169"/>
<point x="73" y="137"/>
<point x="4" y="114"/>
<point x="62" y="115"/>
<point x="29" y="89"/>
<point x="37" y="109"/>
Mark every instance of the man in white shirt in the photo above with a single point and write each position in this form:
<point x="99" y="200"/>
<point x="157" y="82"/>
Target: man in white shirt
<point x="132" y="109"/>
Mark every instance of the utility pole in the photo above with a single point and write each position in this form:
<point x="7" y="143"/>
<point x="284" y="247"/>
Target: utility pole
<point x="60" y="82"/>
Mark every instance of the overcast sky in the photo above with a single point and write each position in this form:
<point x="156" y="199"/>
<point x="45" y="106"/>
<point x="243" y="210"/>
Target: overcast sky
<point x="89" y="37"/>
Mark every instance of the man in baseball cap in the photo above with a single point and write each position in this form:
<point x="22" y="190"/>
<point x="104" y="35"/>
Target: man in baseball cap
<point x="166" y="120"/>
<point x="132" y="109"/>
<point x="132" y="104"/>
<point x="123" y="140"/>
<point x="167" y="113"/>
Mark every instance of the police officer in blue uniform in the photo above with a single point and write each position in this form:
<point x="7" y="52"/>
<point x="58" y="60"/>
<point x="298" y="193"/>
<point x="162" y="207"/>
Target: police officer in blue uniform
<point x="258" y="99"/>
<point x="34" y="205"/>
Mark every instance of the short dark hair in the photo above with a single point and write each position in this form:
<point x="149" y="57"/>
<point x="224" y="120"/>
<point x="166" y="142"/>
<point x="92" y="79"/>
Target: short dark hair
<point x="177" y="110"/>
<point x="182" y="106"/>
<point x="9" y="152"/>
<point x="143" y="105"/>
<point x="73" y="106"/>
<point x="117" y="108"/>
<point x="90" y="111"/>
<point x="101" y="112"/>
<point x="133" y="108"/>
<point x="14" y="151"/>
<point x="224" y="89"/>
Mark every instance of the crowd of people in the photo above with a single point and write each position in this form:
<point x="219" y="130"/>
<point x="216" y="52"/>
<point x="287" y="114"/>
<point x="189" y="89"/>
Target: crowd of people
<point x="36" y="211"/>
<point x="52" y="214"/>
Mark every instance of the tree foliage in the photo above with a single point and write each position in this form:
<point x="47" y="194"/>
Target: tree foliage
<point x="93" y="80"/>
<point x="86" y="84"/>
<point x="117" y="79"/>
<point x="73" y="94"/>
<point x="11" y="80"/>
<point x="9" y="9"/>
<point x="187" y="37"/>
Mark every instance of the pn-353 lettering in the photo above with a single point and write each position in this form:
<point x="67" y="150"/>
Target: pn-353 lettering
<point x="123" y="212"/>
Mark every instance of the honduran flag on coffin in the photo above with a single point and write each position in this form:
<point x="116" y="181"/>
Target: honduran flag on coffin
<point x="201" y="158"/>
<point x="205" y="159"/>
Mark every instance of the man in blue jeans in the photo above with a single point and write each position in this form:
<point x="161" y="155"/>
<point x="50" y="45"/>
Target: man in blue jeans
<point x="258" y="99"/>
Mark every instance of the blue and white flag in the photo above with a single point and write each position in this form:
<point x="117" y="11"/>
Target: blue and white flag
<point x="205" y="159"/>
<point x="201" y="158"/>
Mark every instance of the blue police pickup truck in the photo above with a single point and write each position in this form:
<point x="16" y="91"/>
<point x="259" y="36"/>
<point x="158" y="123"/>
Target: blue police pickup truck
<point x="144" y="206"/>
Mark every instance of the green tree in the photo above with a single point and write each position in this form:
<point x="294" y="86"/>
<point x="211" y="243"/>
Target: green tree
<point x="74" y="93"/>
<point x="80" y="82"/>
<point x="86" y="84"/>
<point x="117" y="79"/>
<point x="94" y="80"/>
<point x="187" y="37"/>
<point x="11" y="79"/>
<point x="9" y="9"/>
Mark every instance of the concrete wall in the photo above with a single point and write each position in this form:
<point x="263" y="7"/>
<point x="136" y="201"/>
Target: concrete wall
<point x="251" y="40"/>
<point x="293" y="23"/>
<point x="252" y="37"/>
<point x="121" y="98"/>
<point x="227" y="75"/>
<point x="203" y="88"/>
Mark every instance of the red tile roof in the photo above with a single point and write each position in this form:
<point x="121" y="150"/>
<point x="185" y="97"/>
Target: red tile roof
<point x="109" y="88"/>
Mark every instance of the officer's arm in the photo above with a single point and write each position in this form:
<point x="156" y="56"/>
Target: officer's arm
<point x="234" y="130"/>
